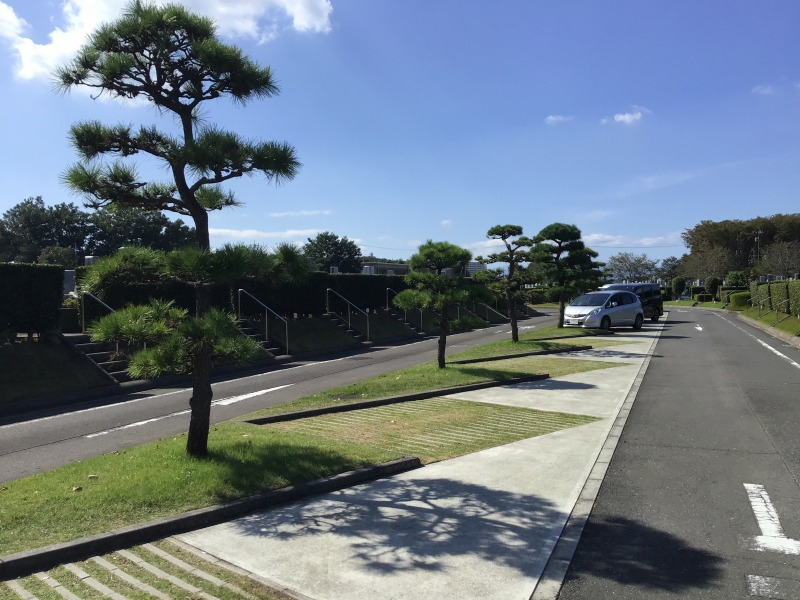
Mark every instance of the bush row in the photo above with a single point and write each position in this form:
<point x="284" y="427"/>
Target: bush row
<point x="781" y="296"/>
<point x="31" y="298"/>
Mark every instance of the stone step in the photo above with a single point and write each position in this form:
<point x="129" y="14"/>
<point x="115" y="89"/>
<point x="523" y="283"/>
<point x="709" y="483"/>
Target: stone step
<point x="113" y="366"/>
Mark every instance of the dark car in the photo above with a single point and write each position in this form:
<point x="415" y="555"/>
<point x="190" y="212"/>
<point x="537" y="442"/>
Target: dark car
<point x="649" y="294"/>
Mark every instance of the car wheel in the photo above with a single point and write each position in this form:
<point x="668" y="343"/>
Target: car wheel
<point x="605" y="324"/>
<point x="637" y="323"/>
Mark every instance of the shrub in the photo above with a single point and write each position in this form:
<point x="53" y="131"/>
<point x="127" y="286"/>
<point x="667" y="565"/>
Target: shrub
<point x="678" y="285"/>
<point x="703" y="297"/>
<point x="779" y="292"/>
<point x="712" y="286"/>
<point x="739" y="300"/>
<point x="794" y="298"/>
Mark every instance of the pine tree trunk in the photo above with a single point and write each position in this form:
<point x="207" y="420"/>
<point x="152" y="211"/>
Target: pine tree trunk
<point x="200" y="402"/>
<point x="442" y="339"/>
<point x="512" y="315"/>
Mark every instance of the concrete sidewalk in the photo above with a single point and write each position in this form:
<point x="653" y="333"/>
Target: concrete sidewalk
<point x="501" y="523"/>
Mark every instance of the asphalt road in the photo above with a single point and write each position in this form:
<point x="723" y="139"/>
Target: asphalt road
<point x="702" y="497"/>
<point x="40" y="441"/>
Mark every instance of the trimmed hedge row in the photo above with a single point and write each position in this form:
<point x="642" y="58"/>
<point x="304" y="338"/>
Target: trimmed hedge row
<point x="782" y="296"/>
<point x="31" y="298"/>
<point x="309" y="297"/>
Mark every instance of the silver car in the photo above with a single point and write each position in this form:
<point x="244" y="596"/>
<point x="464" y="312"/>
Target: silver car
<point x="604" y="310"/>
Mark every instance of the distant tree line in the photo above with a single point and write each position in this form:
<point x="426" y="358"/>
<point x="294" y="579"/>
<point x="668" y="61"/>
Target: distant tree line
<point x="63" y="234"/>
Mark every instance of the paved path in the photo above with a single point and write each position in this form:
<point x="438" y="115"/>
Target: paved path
<point x="482" y="525"/>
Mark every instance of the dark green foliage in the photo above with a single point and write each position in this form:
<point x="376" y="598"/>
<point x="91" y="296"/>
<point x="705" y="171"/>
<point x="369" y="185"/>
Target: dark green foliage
<point x="678" y="286"/>
<point x="794" y="298"/>
<point x="328" y="250"/>
<point x="739" y="300"/>
<point x="31" y="298"/>
<point x="712" y="286"/>
<point x="564" y="264"/>
<point x="779" y="292"/>
<point x="703" y="297"/>
<point x="736" y="279"/>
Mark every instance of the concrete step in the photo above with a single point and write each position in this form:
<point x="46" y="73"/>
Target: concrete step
<point x="113" y="366"/>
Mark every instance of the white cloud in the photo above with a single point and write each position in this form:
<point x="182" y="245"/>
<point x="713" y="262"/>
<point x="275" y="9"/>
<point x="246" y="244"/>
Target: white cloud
<point x="629" y="118"/>
<point x="259" y="20"/>
<point x="445" y="223"/>
<point x="625" y="242"/>
<point x="250" y="235"/>
<point x="557" y="119"/>
<point x="301" y="213"/>
<point x="763" y="90"/>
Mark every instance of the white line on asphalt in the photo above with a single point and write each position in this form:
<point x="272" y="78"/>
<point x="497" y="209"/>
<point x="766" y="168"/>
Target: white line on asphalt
<point x="221" y="402"/>
<point x="795" y="364"/>
<point x="698" y="328"/>
<point x="772" y="538"/>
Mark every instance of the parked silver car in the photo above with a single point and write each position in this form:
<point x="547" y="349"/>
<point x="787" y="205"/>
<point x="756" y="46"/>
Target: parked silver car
<point x="604" y="309"/>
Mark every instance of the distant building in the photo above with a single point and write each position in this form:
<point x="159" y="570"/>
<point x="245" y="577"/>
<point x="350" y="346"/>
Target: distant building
<point x="383" y="268"/>
<point x="474" y="266"/>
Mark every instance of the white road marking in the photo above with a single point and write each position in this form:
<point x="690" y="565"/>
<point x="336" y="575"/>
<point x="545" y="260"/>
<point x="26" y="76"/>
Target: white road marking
<point x="794" y="363"/>
<point x="221" y="402"/>
<point x="698" y="328"/>
<point x="772" y="538"/>
<point x="772" y="587"/>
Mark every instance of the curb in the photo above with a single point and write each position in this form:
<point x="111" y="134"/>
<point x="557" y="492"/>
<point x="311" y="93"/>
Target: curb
<point x="27" y="562"/>
<point x="326" y="410"/>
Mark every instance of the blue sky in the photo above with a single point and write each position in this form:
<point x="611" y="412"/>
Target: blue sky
<point x="419" y="120"/>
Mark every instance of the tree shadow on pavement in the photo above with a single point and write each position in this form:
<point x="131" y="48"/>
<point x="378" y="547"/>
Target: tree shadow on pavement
<point x="394" y="525"/>
<point x="637" y="557"/>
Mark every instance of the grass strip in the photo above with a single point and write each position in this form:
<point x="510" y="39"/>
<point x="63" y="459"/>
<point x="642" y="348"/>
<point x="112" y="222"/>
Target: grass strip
<point x="428" y="376"/>
<point x="159" y="479"/>
<point x="788" y="325"/>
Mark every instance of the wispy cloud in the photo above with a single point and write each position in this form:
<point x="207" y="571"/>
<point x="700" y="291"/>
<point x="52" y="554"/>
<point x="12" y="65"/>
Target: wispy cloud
<point x="259" y="20"/>
<point x="626" y="242"/>
<point x="763" y="90"/>
<point x="250" y="235"/>
<point x="300" y="213"/>
<point x="557" y="119"/>
<point x="446" y="223"/>
<point x="628" y="118"/>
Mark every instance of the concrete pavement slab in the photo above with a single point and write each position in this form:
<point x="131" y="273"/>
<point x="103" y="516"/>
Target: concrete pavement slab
<point x="478" y="526"/>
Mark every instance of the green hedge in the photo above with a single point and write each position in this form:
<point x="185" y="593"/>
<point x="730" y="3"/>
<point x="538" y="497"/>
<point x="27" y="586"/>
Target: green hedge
<point x="31" y="298"/>
<point x="287" y="299"/>
<point x="794" y="298"/>
<point x="703" y="298"/>
<point x="779" y="294"/>
<point x="739" y="300"/>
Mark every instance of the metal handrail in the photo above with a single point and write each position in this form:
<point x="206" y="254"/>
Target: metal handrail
<point x="349" y="305"/>
<point x="405" y="312"/>
<point x="489" y="308"/>
<point x="267" y="310"/>
<point x="777" y="310"/>
<point x="83" y="310"/>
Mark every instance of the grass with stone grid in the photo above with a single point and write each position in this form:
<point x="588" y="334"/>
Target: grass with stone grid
<point x="161" y="570"/>
<point x="434" y="429"/>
